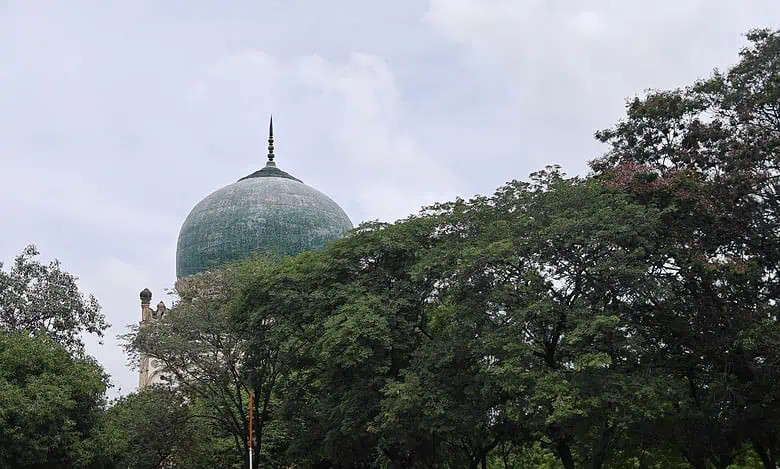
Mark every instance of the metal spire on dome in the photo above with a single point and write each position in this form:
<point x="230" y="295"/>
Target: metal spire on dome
<point x="271" y="142"/>
<point x="269" y="170"/>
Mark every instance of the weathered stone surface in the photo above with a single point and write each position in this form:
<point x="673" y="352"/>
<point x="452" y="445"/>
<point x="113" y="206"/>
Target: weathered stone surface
<point x="277" y="215"/>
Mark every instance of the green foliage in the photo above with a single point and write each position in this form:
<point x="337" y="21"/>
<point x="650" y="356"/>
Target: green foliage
<point x="205" y="357"/>
<point x="157" y="428"/>
<point x="622" y="320"/>
<point x="49" y="404"/>
<point x="51" y="393"/>
<point x="711" y="153"/>
<point x="497" y="321"/>
<point x="45" y="300"/>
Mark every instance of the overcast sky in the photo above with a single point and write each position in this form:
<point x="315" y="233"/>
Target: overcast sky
<point x="118" y="117"/>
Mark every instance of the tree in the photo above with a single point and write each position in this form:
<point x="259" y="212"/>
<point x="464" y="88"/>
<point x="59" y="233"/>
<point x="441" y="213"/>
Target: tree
<point x="474" y="327"/>
<point x="536" y="279"/>
<point x="50" y="403"/>
<point x="627" y="319"/>
<point x="204" y="357"/>
<point x="157" y="428"/>
<point x="708" y="154"/>
<point x="45" y="300"/>
<point x="51" y="392"/>
<point x="344" y="333"/>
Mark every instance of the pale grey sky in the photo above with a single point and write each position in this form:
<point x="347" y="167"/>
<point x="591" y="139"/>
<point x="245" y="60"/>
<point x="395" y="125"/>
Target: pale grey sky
<point x="117" y="117"/>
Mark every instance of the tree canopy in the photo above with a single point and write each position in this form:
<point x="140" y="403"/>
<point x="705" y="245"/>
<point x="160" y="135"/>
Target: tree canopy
<point x="623" y="319"/>
<point x="42" y="299"/>
<point x="50" y="403"/>
<point x="52" y="393"/>
<point x="627" y="318"/>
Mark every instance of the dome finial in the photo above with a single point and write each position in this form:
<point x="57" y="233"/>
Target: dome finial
<point x="271" y="142"/>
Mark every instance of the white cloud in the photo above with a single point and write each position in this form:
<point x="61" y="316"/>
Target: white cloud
<point x="357" y="100"/>
<point x="569" y="66"/>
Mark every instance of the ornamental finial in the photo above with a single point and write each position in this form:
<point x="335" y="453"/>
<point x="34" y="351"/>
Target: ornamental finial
<point x="271" y="141"/>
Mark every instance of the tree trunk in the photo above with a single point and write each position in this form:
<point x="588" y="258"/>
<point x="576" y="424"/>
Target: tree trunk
<point x="603" y="449"/>
<point x="722" y="464"/>
<point x="505" y="456"/>
<point x="697" y="463"/>
<point x="766" y="456"/>
<point x="564" y="452"/>
<point x="598" y="461"/>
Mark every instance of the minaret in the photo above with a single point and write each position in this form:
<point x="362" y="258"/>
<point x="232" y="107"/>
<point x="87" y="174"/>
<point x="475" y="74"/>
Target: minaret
<point x="149" y="372"/>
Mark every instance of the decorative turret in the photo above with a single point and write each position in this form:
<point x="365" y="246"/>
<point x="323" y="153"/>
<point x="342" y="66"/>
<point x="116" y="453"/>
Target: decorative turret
<point x="146" y="296"/>
<point x="161" y="309"/>
<point x="149" y="372"/>
<point x="146" y="310"/>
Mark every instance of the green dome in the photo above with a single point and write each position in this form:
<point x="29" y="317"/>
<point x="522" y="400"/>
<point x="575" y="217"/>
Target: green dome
<point x="267" y="211"/>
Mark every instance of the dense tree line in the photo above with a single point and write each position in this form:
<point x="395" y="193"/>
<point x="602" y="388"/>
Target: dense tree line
<point x="624" y="319"/>
<point x="627" y="319"/>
